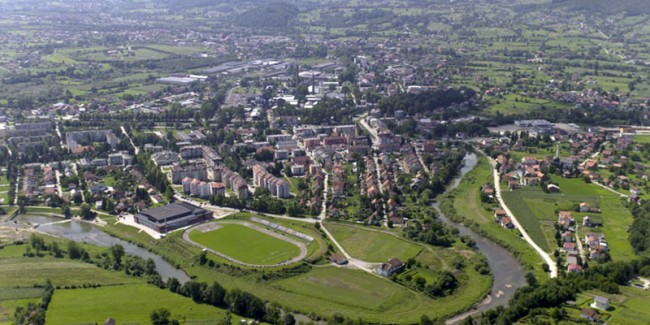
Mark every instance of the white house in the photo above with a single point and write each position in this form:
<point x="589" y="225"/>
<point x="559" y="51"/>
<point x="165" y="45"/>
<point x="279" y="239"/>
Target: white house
<point x="600" y="303"/>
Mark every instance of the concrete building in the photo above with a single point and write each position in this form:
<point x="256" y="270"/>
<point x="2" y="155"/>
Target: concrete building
<point x="76" y="139"/>
<point x="172" y="216"/>
<point x="262" y="178"/>
<point x="198" y="171"/>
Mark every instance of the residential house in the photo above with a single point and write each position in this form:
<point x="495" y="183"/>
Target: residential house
<point x="391" y="267"/>
<point x="499" y="213"/>
<point x="600" y="302"/>
<point x="506" y="222"/>
<point x="590" y="314"/>
<point x="574" y="268"/>
<point x="565" y="220"/>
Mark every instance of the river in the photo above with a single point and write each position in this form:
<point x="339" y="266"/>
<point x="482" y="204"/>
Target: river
<point x="83" y="232"/>
<point x="508" y="273"/>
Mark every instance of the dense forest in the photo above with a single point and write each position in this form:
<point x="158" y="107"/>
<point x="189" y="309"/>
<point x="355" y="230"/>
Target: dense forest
<point x="631" y="7"/>
<point x="640" y="230"/>
<point x="273" y="15"/>
<point x="427" y="102"/>
<point x="554" y="293"/>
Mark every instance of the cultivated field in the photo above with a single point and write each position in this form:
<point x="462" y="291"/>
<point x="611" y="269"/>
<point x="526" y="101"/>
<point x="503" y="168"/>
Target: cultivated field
<point x="536" y="211"/>
<point x="371" y="246"/>
<point x="246" y="244"/>
<point x="18" y="271"/>
<point x="120" y="296"/>
<point x="126" y="304"/>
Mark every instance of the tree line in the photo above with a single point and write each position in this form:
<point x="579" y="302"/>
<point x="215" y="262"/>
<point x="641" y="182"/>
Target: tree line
<point x="554" y="293"/>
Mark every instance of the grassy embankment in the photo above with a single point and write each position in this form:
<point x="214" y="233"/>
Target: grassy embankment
<point x="464" y="205"/>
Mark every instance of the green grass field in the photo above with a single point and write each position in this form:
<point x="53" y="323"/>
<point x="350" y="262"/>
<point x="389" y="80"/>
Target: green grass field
<point x="355" y="289"/>
<point x="8" y="308"/>
<point x="630" y="307"/>
<point x="315" y="250"/>
<point x="123" y="297"/>
<point x="536" y="211"/>
<point x="18" y="271"/>
<point x="316" y="297"/>
<point x="246" y="245"/>
<point x="371" y="246"/>
<point x="374" y="299"/>
<point x="642" y="138"/>
<point x="526" y="216"/>
<point x="125" y="304"/>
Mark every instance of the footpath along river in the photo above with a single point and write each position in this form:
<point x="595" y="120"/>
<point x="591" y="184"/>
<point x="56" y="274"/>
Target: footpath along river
<point x="86" y="233"/>
<point x="508" y="273"/>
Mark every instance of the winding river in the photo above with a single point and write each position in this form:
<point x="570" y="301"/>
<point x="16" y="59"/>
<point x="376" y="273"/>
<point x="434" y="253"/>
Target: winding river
<point x="508" y="273"/>
<point x="83" y="232"/>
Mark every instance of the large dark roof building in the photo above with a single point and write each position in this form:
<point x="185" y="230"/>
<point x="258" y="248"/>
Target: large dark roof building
<point x="172" y="216"/>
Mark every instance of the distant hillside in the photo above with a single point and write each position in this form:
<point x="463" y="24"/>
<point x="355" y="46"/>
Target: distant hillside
<point x="272" y="15"/>
<point x="632" y="7"/>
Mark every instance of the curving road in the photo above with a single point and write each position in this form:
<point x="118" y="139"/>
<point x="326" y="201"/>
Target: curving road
<point x="547" y="258"/>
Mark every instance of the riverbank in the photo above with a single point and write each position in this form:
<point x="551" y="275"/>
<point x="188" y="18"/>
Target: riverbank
<point x="86" y="232"/>
<point x="510" y="272"/>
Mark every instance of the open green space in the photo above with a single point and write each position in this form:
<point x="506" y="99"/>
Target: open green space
<point x="18" y="271"/>
<point x="130" y="304"/>
<point x="464" y="205"/>
<point x="537" y="212"/>
<point x="516" y="104"/>
<point x="294" y="294"/>
<point x="8" y="308"/>
<point x="374" y="299"/>
<point x="630" y="307"/>
<point x="315" y="249"/>
<point x="527" y="218"/>
<point x="246" y="244"/>
<point x="350" y="287"/>
<point x="371" y="246"/>
<point x="642" y="138"/>
<point x="120" y="296"/>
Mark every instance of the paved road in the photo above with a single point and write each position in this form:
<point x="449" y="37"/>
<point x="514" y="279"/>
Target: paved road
<point x="58" y="183"/>
<point x="225" y="211"/>
<point x="547" y="258"/>
<point x="610" y="189"/>
<point x="367" y="127"/>
<point x="323" y="213"/>
<point x="137" y="150"/>
<point x="18" y="186"/>
<point x="361" y="265"/>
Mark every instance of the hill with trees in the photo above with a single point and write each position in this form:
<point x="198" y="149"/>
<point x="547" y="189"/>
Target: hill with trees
<point x="272" y="15"/>
<point x="631" y="7"/>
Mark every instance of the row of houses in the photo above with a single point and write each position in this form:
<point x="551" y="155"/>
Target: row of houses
<point x="502" y="218"/>
<point x="262" y="178"/>
<point x="75" y="139"/>
<point x="232" y="180"/>
<point x="198" y="188"/>
<point x="197" y="171"/>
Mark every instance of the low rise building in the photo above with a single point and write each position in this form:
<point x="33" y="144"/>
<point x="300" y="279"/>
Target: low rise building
<point x="172" y="216"/>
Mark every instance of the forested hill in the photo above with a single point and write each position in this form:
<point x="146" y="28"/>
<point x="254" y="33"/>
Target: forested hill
<point x="272" y="15"/>
<point x="425" y="103"/>
<point x="632" y="7"/>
